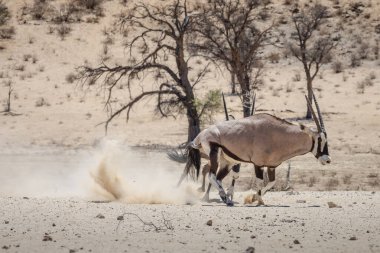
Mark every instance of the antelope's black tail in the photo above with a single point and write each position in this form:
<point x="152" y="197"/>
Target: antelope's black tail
<point x="193" y="164"/>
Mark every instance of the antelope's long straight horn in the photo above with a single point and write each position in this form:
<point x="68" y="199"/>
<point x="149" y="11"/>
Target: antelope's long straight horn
<point x="225" y="107"/>
<point x="319" y="114"/>
<point x="313" y="113"/>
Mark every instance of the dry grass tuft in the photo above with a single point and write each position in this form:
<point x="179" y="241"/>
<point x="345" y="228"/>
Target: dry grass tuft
<point x="332" y="184"/>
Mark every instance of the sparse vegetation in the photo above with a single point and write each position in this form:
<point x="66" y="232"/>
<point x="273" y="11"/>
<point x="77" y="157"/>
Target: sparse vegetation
<point x="312" y="181"/>
<point x="71" y="77"/>
<point x="347" y="179"/>
<point x="41" y="102"/>
<point x="332" y="184"/>
<point x="337" y="66"/>
<point x="63" y="30"/>
<point x="274" y="57"/>
<point x="6" y="32"/>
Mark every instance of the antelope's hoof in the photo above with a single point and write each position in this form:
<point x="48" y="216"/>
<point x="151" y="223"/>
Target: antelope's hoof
<point x="205" y="198"/>
<point x="260" y="201"/>
<point x="227" y="201"/>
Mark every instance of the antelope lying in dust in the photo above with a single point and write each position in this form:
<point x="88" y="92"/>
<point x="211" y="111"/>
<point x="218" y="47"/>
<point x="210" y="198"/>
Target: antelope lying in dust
<point x="263" y="140"/>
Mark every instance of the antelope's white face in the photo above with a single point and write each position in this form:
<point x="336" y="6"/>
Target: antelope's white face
<point x="320" y="149"/>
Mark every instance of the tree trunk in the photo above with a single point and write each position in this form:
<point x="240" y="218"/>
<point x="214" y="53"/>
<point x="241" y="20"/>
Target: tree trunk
<point x="309" y="95"/>
<point x="233" y="83"/>
<point x="247" y="104"/>
<point x="245" y="88"/>
<point x="194" y="127"/>
<point x="8" y="106"/>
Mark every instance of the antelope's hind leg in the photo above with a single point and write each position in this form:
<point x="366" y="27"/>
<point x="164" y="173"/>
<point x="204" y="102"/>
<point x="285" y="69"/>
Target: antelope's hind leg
<point x="235" y="175"/>
<point x="205" y="171"/>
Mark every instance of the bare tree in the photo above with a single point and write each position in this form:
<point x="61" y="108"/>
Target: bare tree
<point x="7" y="107"/>
<point x="311" y="48"/>
<point x="156" y="48"/>
<point x="227" y="32"/>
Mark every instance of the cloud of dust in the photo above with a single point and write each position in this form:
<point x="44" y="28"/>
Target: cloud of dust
<point x="111" y="172"/>
<point x="124" y="175"/>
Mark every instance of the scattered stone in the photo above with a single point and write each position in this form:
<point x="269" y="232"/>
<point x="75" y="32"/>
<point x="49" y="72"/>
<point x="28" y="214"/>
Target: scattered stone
<point x="333" y="205"/>
<point x="47" y="238"/>
<point x="6" y="222"/>
<point x="296" y="241"/>
<point x="5" y="247"/>
<point x="250" y="250"/>
<point x="264" y="216"/>
<point x="100" y="216"/>
<point x="72" y="251"/>
<point x="353" y="238"/>
<point x="209" y="223"/>
<point x="25" y="198"/>
<point x="53" y="224"/>
<point x="121" y="217"/>
<point x="253" y="236"/>
<point x="377" y="29"/>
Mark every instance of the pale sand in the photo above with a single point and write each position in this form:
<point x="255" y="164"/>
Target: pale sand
<point x="72" y="225"/>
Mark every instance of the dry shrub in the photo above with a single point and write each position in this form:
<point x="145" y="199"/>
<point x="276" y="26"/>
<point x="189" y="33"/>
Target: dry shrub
<point x="347" y="179"/>
<point x="297" y="77"/>
<point x="372" y="75"/>
<point x="373" y="175"/>
<point x="312" y="181"/>
<point x="70" y="78"/>
<point x="332" y="184"/>
<point x="63" y="30"/>
<point x="364" y="50"/>
<point x="337" y="66"/>
<point x="90" y="4"/>
<point x="274" y="57"/>
<point x="5" y="15"/>
<point x="374" y="183"/>
<point x="5" y="31"/>
<point x="42" y="102"/>
<point x="40" y="9"/>
<point x="360" y="87"/>
<point x="355" y="61"/>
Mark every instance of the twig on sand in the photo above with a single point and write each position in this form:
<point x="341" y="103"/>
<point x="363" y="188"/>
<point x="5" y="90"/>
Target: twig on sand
<point x="149" y="226"/>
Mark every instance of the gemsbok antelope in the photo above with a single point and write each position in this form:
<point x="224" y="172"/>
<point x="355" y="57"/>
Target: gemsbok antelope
<point x="263" y="140"/>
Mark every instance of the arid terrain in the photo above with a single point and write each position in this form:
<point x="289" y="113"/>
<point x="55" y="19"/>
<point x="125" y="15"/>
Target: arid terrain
<point x="53" y="147"/>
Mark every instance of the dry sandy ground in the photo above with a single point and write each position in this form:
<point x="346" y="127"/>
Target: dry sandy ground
<point x="76" y="225"/>
<point x="47" y="150"/>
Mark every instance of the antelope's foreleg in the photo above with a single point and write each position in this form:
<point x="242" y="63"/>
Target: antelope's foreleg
<point x="272" y="181"/>
<point x="214" y="160"/>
